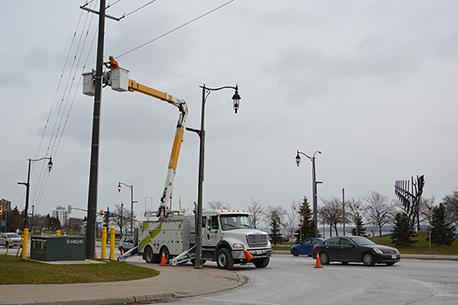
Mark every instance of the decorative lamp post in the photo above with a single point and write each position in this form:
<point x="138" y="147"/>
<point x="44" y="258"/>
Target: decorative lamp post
<point x="314" y="183"/>
<point x="131" y="204"/>
<point x="201" y="132"/>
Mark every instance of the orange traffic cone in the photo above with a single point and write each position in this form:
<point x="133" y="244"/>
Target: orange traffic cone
<point x="318" y="261"/>
<point x="163" y="261"/>
<point x="248" y="255"/>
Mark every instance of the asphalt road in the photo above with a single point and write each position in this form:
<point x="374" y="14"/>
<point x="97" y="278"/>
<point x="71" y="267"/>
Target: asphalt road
<point x="293" y="280"/>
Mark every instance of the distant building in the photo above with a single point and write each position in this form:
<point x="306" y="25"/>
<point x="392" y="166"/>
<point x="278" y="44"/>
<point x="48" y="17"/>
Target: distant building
<point x="5" y="207"/>
<point x="61" y="213"/>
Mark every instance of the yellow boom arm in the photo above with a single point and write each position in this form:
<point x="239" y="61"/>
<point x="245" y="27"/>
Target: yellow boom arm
<point x="164" y="207"/>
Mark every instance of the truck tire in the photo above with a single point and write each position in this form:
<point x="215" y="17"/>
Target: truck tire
<point x="164" y="250"/>
<point x="261" y="262"/>
<point x="224" y="259"/>
<point x="148" y="255"/>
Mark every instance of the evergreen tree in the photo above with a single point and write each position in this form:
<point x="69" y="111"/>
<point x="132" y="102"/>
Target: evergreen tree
<point x="306" y="223"/>
<point x="403" y="232"/>
<point x="441" y="228"/>
<point x="359" y="229"/>
<point x="275" y="216"/>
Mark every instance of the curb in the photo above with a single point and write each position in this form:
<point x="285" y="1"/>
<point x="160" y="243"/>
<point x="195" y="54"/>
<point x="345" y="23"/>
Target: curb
<point x="136" y="299"/>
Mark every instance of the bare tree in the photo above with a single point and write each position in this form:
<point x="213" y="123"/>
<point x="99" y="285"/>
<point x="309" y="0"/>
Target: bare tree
<point x="216" y="205"/>
<point x="123" y="221"/>
<point x="331" y="213"/>
<point x="378" y="210"/>
<point x="256" y="210"/>
<point x="451" y="206"/>
<point x="292" y="219"/>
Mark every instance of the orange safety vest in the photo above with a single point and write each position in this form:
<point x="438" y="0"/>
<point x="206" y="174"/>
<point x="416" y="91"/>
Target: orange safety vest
<point x="114" y="64"/>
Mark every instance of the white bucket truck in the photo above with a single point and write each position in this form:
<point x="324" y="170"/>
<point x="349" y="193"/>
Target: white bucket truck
<point x="227" y="235"/>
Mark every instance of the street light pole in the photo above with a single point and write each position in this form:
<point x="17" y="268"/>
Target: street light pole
<point x="314" y="183"/>
<point x="200" y="187"/>
<point x="131" y="204"/>
<point x="27" y="187"/>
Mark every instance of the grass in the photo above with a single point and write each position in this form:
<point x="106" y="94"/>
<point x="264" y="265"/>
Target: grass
<point x="421" y="246"/>
<point x="17" y="271"/>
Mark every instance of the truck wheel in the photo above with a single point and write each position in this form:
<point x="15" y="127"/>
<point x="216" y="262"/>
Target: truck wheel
<point x="224" y="259"/>
<point x="165" y="251"/>
<point x="261" y="262"/>
<point x="148" y="255"/>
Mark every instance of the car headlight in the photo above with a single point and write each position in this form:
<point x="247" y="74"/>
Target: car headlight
<point x="377" y="250"/>
<point x="237" y="246"/>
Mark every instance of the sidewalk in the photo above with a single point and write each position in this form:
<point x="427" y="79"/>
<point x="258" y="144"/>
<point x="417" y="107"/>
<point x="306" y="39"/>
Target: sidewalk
<point x="172" y="282"/>
<point x="403" y="256"/>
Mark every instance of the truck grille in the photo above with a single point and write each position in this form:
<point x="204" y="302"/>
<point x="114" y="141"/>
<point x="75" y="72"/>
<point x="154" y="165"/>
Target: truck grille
<point x="257" y="240"/>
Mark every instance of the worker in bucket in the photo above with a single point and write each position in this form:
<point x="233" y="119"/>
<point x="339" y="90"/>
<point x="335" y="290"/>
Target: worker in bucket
<point x="112" y="63"/>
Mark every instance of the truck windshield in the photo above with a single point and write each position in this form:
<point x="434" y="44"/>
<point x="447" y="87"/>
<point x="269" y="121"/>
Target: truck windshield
<point x="234" y="221"/>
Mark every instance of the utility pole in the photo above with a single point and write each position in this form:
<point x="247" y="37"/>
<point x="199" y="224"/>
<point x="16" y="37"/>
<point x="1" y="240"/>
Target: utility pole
<point x="343" y="211"/>
<point x="94" y="166"/>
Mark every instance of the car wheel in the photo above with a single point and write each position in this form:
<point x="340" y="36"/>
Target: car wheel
<point x="224" y="259"/>
<point x="368" y="259"/>
<point x="324" y="258"/>
<point x="148" y="255"/>
<point x="295" y="254"/>
<point x="390" y="263"/>
<point x="261" y="262"/>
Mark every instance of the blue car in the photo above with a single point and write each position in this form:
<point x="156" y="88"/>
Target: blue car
<point x="306" y="247"/>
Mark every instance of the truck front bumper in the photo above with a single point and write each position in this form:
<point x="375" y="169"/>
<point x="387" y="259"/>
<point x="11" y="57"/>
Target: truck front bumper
<point x="257" y="253"/>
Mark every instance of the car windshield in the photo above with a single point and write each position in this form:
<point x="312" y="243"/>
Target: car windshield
<point x="362" y="241"/>
<point x="236" y="221"/>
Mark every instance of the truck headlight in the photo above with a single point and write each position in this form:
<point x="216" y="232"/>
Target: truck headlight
<point x="377" y="250"/>
<point x="237" y="246"/>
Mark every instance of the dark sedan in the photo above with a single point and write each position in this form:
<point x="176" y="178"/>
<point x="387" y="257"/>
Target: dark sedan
<point x="355" y="249"/>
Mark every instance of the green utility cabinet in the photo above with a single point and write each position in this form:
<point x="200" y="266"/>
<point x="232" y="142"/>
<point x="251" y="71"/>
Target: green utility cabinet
<point x="57" y="248"/>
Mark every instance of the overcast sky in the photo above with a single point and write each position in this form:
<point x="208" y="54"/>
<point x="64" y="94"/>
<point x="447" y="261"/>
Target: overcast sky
<point x="372" y="84"/>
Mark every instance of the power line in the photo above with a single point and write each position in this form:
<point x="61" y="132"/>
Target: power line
<point x="136" y="10"/>
<point x="174" y="29"/>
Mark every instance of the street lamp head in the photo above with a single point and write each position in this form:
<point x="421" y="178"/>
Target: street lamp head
<point x="319" y="152"/>
<point x="236" y="99"/>
<point x="298" y="159"/>
<point x="50" y="164"/>
<point x="119" y="187"/>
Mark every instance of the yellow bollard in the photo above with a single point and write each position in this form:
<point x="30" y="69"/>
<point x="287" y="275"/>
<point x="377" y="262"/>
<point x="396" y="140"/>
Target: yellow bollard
<point x="58" y="233"/>
<point x="104" y="243"/>
<point x="112" y="244"/>
<point x="25" y="243"/>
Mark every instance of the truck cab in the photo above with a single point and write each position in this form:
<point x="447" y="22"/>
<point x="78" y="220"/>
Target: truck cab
<point x="227" y="234"/>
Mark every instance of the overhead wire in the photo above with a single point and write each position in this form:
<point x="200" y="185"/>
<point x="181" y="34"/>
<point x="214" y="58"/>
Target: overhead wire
<point x="174" y="29"/>
<point x="137" y="9"/>
<point x="42" y="180"/>
<point x="58" y="85"/>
